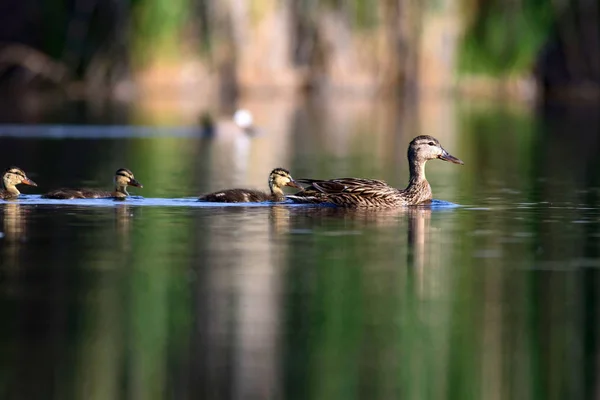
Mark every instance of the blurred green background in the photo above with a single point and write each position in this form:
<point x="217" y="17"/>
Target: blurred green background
<point x="137" y="48"/>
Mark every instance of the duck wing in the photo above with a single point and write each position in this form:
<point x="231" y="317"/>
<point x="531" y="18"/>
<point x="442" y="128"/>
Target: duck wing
<point x="346" y="192"/>
<point x="343" y="185"/>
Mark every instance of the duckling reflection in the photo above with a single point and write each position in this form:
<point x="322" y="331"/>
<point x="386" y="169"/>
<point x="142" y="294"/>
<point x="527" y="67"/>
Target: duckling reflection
<point x="14" y="222"/>
<point x="123" y="178"/>
<point x="124" y="215"/>
<point x="238" y="296"/>
<point x="14" y="234"/>
<point x="279" y="217"/>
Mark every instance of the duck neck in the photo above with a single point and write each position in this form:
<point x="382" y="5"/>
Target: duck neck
<point x="418" y="189"/>
<point x="417" y="172"/>
<point x="10" y="188"/>
<point x="121" y="191"/>
<point x="276" y="191"/>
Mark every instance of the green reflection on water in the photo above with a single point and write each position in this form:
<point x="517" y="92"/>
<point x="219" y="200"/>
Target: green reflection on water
<point x="497" y="300"/>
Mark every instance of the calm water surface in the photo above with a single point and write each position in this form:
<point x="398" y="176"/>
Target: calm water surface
<point x="168" y="299"/>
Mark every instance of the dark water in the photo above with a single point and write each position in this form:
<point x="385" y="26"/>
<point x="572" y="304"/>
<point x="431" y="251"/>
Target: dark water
<point x="166" y="299"/>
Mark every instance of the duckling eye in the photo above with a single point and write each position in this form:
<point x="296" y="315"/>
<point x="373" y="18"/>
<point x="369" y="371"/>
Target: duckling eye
<point x="431" y="144"/>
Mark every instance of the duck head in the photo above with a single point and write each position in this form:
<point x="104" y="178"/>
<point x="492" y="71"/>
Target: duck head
<point x="280" y="177"/>
<point x="14" y="176"/>
<point x="423" y="148"/>
<point x="124" y="178"/>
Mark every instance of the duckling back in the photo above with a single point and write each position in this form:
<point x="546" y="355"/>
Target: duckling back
<point x="237" y="196"/>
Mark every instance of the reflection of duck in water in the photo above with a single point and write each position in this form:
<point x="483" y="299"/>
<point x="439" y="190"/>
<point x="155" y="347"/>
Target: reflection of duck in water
<point x="243" y="121"/>
<point x="359" y="193"/>
<point x="123" y="218"/>
<point x="13" y="238"/>
<point x="278" y="178"/>
<point x="12" y="177"/>
<point x="123" y="178"/>
<point x="357" y="217"/>
<point x="14" y="221"/>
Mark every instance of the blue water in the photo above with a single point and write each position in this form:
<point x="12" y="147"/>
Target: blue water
<point x="182" y="202"/>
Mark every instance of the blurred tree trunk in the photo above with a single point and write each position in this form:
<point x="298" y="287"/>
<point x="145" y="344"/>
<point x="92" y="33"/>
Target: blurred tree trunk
<point x="569" y="63"/>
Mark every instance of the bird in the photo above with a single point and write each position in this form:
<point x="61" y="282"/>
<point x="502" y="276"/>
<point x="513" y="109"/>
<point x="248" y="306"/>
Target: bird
<point x="278" y="178"/>
<point x="241" y="122"/>
<point x="123" y="178"/>
<point x="373" y="193"/>
<point x="244" y="119"/>
<point x="12" y="177"/>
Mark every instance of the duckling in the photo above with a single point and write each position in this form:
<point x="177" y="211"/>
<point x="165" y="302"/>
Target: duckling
<point x="372" y="193"/>
<point x="278" y="178"/>
<point x="12" y="177"/>
<point x="123" y="178"/>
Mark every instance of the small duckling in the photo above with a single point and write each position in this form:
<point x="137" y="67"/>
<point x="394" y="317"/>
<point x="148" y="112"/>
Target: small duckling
<point x="12" y="177"/>
<point x="123" y="178"/>
<point x="278" y="178"/>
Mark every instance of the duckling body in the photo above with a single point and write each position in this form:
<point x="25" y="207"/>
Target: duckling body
<point x="12" y="177"/>
<point x="67" y="194"/>
<point x="278" y="178"/>
<point x="372" y="193"/>
<point x="123" y="178"/>
<point x="240" y="196"/>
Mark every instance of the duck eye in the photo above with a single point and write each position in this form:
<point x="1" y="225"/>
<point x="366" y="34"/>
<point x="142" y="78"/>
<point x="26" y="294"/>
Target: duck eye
<point x="431" y="144"/>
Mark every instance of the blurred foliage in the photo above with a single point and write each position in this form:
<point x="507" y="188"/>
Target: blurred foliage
<point x="158" y="26"/>
<point x="309" y="44"/>
<point x="504" y="37"/>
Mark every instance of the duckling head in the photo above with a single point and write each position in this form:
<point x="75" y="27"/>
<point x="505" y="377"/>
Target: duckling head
<point x="423" y="148"/>
<point x="279" y="178"/>
<point x="14" y="176"/>
<point x="124" y="178"/>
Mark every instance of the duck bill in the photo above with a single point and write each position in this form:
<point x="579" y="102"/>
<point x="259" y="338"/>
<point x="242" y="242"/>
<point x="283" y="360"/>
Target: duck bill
<point x="29" y="182"/>
<point x="135" y="183"/>
<point x="449" y="157"/>
<point x="294" y="184"/>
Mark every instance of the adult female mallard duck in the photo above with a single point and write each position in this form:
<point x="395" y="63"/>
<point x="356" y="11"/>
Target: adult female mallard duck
<point x="12" y="177"/>
<point x="123" y="178"/>
<point x="278" y="178"/>
<point x="359" y="193"/>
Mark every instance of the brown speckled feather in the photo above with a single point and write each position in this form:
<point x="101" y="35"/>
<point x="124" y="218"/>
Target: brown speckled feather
<point x="372" y="193"/>
<point x="65" y="194"/>
<point x="278" y="178"/>
<point x="6" y="195"/>
<point x="348" y="192"/>
<point x="239" y="196"/>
